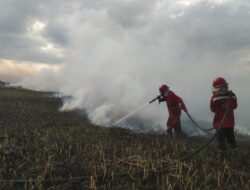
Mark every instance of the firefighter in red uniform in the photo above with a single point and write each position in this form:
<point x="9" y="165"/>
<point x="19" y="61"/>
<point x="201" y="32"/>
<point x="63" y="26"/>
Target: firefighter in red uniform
<point x="219" y="105"/>
<point x="175" y="104"/>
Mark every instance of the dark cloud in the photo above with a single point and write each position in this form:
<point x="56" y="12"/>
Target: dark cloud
<point x="16" y="41"/>
<point x="23" y="48"/>
<point x="14" y="14"/>
<point x="218" y="29"/>
<point x="203" y="26"/>
<point x="57" y="33"/>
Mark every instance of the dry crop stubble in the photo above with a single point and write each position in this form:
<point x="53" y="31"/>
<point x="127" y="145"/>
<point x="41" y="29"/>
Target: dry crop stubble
<point x="50" y="147"/>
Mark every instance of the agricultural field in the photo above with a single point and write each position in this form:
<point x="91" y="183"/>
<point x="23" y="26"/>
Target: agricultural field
<point x="43" y="148"/>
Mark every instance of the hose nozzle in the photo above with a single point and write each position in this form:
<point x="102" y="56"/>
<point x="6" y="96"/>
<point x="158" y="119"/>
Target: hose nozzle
<point x="154" y="99"/>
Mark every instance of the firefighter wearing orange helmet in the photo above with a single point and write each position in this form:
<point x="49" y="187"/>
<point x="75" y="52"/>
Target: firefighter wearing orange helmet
<point x="219" y="105"/>
<point x="174" y="104"/>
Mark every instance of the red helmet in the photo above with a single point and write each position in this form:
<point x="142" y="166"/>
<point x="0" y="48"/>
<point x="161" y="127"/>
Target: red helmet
<point x="163" y="88"/>
<point x="219" y="82"/>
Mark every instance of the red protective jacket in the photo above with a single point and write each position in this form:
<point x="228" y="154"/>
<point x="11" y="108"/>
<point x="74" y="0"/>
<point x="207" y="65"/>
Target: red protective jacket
<point x="218" y="105"/>
<point x="174" y="104"/>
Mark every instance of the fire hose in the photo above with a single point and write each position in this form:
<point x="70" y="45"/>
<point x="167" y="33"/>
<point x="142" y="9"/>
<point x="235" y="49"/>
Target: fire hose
<point x="192" y="154"/>
<point x="189" y="116"/>
<point x="197" y="125"/>
<point x="160" y="170"/>
<point x="187" y="157"/>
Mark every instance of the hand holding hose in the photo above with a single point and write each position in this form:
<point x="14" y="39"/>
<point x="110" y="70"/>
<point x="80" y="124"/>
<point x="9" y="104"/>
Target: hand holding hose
<point x="159" y="98"/>
<point x="183" y="107"/>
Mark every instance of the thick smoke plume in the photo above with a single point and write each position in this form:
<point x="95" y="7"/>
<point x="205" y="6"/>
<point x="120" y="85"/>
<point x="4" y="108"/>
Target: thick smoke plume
<point x="117" y="55"/>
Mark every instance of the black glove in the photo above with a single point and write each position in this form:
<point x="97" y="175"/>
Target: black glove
<point x="230" y="93"/>
<point x="160" y="99"/>
<point x="183" y="107"/>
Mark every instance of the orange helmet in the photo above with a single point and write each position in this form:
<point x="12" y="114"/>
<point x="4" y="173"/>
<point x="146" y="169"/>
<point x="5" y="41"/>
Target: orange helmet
<point x="219" y="82"/>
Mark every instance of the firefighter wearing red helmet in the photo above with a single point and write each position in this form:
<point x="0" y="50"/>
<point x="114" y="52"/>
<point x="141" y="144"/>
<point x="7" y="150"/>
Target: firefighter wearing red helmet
<point x="219" y="105"/>
<point x="175" y="104"/>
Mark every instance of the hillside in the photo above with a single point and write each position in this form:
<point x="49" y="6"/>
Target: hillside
<point x="62" y="150"/>
<point x="2" y="83"/>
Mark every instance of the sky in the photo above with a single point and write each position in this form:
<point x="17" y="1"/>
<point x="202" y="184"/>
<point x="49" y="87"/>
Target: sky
<point x="111" y="56"/>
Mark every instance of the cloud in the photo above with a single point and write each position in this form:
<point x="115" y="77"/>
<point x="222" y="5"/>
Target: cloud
<point x="20" y="38"/>
<point x="14" y="71"/>
<point x="115" y="54"/>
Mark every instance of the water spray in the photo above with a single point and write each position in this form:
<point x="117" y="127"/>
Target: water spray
<point x="130" y="114"/>
<point x="135" y="111"/>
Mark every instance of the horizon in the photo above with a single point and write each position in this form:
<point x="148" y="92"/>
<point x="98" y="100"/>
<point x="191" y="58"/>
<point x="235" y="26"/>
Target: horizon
<point x="111" y="57"/>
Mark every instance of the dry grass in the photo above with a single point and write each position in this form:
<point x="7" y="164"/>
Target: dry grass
<point x="38" y="142"/>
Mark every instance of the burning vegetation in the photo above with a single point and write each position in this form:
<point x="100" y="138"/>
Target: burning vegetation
<point x="42" y="148"/>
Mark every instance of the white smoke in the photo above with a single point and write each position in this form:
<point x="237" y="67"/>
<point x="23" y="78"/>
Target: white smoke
<point x="119" y="53"/>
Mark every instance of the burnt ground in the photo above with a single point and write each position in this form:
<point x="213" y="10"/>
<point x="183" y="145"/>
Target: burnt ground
<point x="52" y="149"/>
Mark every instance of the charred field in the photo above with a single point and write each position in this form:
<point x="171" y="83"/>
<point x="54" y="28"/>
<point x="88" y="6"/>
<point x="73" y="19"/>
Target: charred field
<point x="42" y="148"/>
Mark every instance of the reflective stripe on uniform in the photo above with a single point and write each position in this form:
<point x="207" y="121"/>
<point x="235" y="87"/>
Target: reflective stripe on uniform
<point x="223" y="97"/>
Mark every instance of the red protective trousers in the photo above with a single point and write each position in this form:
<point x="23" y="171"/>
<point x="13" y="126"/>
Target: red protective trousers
<point x="174" y="104"/>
